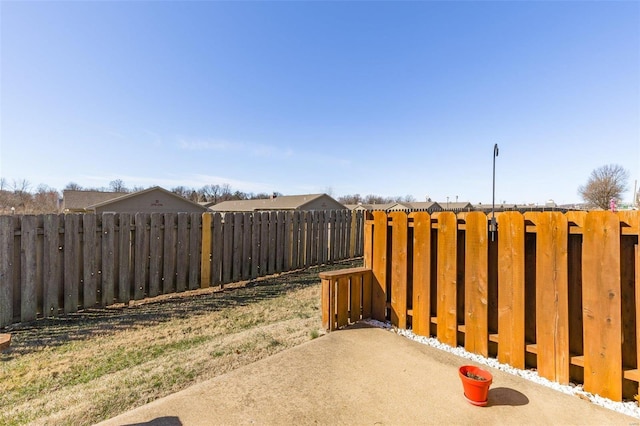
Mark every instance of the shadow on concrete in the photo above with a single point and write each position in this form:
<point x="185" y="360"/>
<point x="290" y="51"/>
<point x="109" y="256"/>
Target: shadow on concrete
<point x="506" y="396"/>
<point x="160" y="421"/>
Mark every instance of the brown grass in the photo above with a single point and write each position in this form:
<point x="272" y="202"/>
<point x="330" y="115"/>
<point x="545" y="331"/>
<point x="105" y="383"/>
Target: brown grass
<point x="91" y="366"/>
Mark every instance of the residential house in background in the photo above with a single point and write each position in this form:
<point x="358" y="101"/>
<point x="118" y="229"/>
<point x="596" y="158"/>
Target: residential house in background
<point x="152" y="200"/>
<point x="429" y="206"/>
<point x="307" y="202"/>
<point x="370" y="207"/>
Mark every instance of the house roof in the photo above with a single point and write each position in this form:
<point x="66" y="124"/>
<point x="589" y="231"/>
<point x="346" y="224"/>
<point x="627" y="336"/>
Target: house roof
<point x="138" y="193"/>
<point x="423" y="205"/>
<point x="79" y="200"/>
<point x="371" y="207"/>
<point x="456" y="205"/>
<point x="282" y="202"/>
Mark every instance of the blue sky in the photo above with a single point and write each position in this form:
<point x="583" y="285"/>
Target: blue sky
<point x="386" y="98"/>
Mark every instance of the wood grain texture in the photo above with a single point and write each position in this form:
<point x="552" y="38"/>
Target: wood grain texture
<point x="379" y="262"/>
<point x="602" y="305"/>
<point x="511" y="289"/>
<point x="476" y="337"/>
<point x="421" y="273"/>
<point x="447" y="328"/>
<point x="552" y="301"/>
<point x="399" y="241"/>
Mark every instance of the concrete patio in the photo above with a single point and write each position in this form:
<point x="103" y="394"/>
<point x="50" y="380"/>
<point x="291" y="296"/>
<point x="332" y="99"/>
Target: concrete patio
<point x="363" y="375"/>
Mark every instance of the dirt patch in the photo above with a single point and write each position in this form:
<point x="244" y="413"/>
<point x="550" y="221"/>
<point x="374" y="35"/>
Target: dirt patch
<point x="93" y="365"/>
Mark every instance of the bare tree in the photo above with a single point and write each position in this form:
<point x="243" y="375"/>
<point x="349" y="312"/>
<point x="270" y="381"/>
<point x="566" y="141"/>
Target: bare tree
<point x="21" y="186"/>
<point x="72" y="186"/>
<point x="182" y="191"/>
<point x="118" y="186"/>
<point x="605" y="183"/>
<point x="350" y="199"/>
<point x="210" y="193"/>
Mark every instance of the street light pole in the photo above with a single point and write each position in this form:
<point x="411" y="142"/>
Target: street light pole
<point x="493" y="202"/>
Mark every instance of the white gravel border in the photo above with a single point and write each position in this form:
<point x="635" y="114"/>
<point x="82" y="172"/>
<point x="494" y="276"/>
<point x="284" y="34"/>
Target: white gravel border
<point x="629" y="408"/>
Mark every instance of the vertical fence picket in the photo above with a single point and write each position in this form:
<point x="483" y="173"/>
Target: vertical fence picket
<point x="246" y="246"/>
<point x="308" y="238"/>
<point x="217" y="249"/>
<point x="295" y="239"/>
<point x="109" y="256"/>
<point x="29" y="265"/>
<point x="125" y="256"/>
<point x="205" y="256"/>
<point x="256" y="219"/>
<point x="90" y="260"/>
<point x="447" y="328"/>
<point x="72" y="257"/>
<point x="51" y="264"/>
<point x="476" y="337"/>
<point x="169" y="262"/>
<point x="353" y="232"/>
<point x="195" y="244"/>
<point x="313" y="229"/>
<point x="236" y="254"/>
<point x="182" y="258"/>
<point x="379" y="266"/>
<point x="602" y="305"/>
<point x="343" y="301"/>
<point x="421" y="273"/>
<point x="552" y="290"/>
<point x="328" y="227"/>
<point x="288" y="240"/>
<point x="7" y="232"/>
<point x="280" y="241"/>
<point x="328" y="305"/>
<point x="355" y="310"/>
<point x="399" y="276"/>
<point x="227" y="247"/>
<point x="271" y="248"/>
<point x="511" y="290"/>
<point x="141" y="257"/>
<point x="264" y="243"/>
<point x="156" y="253"/>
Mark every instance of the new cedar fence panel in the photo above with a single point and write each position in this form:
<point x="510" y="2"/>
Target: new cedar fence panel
<point x="511" y="289"/>
<point x="56" y="264"/>
<point x="476" y="325"/>
<point x="421" y="273"/>
<point x="601" y="298"/>
<point x="552" y="291"/>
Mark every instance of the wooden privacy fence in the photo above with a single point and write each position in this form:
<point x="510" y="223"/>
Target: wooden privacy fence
<point x="58" y="264"/>
<point x="552" y="291"/>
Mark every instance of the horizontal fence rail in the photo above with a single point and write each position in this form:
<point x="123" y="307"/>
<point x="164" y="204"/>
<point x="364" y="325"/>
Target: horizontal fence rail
<point x="58" y="264"/>
<point x="559" y="292"/>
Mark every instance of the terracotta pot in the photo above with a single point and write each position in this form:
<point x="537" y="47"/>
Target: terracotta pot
<point x="476" y="391"/>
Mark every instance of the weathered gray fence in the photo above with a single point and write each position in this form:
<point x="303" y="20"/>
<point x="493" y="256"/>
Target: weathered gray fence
<point x="58" y="264"/>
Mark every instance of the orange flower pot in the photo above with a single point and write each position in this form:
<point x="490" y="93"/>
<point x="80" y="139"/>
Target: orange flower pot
<point x="476" y="383"/>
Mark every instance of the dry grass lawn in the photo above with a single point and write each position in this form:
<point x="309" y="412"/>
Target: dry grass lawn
<point x="90" y="366"/>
